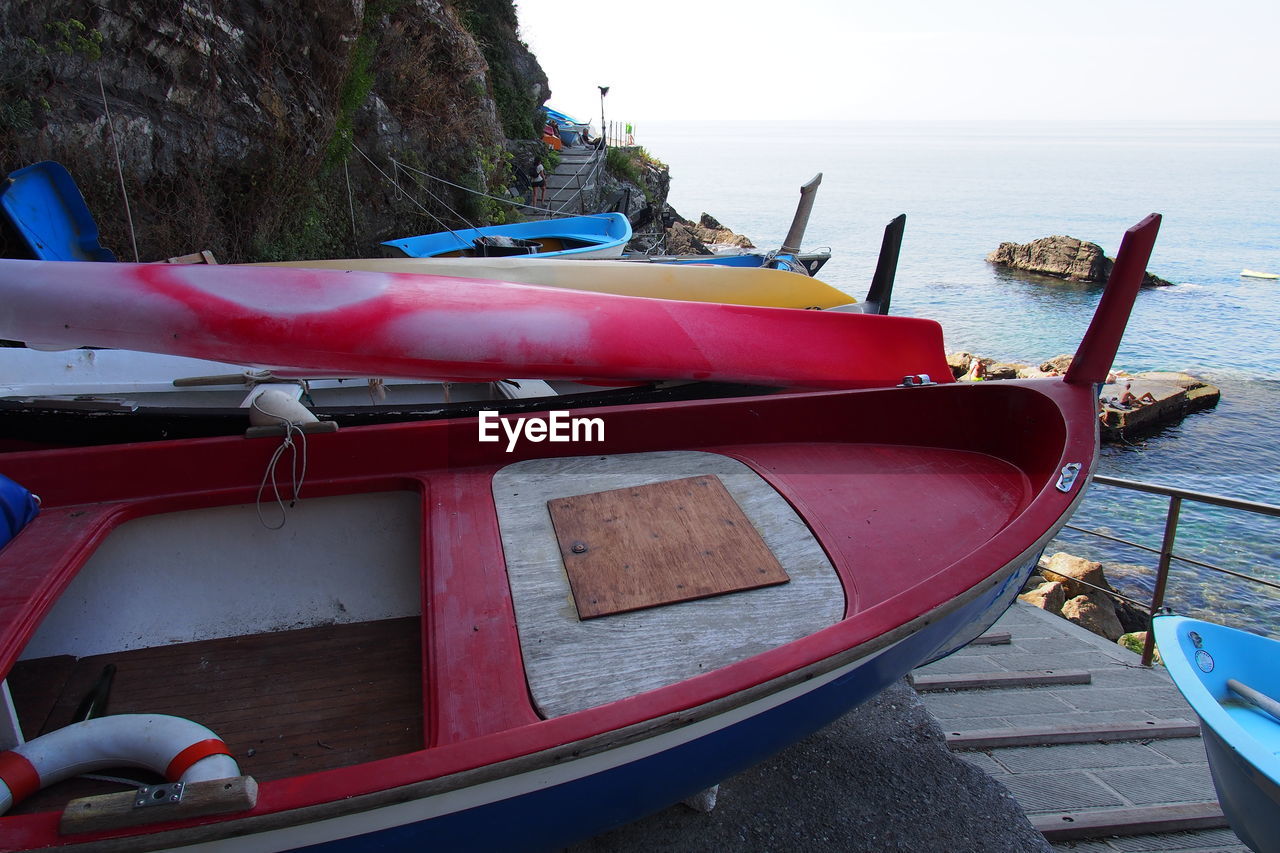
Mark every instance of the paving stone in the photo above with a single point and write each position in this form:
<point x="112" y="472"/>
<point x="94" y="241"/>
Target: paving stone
<point x="1163" y="701"/>
<point x="1071" y="756"/>
<point x="987" y="703"/>
<point x="1074" y="659"/>
<point x="1057" y="791"/>
<point x="1182" y="750"/>
<point x="1184" y="842"/>
<point x="1118" y="675"/>
<point x="1084" y="846"/>
<point x="1183" y="783"/>
<point x="956" y="664"/>
<point x="983" y="761"/>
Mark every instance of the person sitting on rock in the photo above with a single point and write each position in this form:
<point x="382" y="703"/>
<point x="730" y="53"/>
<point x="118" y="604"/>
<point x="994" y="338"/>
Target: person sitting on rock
<point x="1128" y="398"/>
<point x="977" y="371"/>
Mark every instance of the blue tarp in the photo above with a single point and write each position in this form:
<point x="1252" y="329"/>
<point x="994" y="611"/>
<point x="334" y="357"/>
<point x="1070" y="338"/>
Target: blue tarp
<point x="17" y="507"/>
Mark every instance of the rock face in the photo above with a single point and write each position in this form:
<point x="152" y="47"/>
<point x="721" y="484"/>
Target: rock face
<point x="1061" y="257"/>
<point x="1066" y="588"/>
<point x="1077" y="575"/>
<point x="1095" y="613"/>
<point x="1047" y="596"/>
<point x="240" y="125"/>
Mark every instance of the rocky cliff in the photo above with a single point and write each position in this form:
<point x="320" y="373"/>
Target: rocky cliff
<point x="272" y="129"/>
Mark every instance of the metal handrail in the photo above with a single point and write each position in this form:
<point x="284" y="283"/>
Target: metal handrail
<point x="1176" y="496"/>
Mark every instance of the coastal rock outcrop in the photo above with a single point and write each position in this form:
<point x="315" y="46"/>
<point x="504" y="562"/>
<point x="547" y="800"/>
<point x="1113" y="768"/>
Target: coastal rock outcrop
<point x="709" y="230"/>
<point x="1094" y="613"/>
<point x="1159" y="398"/>
<point x="1077" y="590"/>
<point x="1062" y="257"/>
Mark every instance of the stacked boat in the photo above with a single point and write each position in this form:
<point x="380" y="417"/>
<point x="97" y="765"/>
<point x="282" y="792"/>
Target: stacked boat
<point x="459" y="631"/>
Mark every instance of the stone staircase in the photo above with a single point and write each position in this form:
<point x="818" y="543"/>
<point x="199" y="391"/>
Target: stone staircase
<point x="574" y="187"/>
<point x="1102" y="753"/>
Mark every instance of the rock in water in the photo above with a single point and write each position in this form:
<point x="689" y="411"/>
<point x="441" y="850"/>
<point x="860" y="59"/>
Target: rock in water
<point x="1062" y="257"/>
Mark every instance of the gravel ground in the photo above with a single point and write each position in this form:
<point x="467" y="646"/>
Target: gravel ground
<point x="879" y="779"/>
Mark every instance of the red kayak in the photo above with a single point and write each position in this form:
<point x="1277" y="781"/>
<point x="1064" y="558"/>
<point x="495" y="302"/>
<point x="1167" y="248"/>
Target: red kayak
<point x="427" y="326"/>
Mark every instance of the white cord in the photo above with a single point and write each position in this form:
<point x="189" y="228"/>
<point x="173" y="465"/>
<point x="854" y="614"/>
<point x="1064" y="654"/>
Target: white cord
<point x="296" y="478"/>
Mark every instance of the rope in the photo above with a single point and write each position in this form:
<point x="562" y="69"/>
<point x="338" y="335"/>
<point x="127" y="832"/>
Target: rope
<point x="296" y="479"/>
<point x="393" y="182"/>
<point x="351" y="205"/>
<point x="111" y="127"/>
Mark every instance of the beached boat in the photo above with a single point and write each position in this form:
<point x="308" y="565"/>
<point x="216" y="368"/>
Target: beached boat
<point x="693" y="283"/>
<point x="43" y="206"/>
<point x="600" y="235"/>
<point x="572" y="131"/>
<point x="1256" y="274"/>
<point x="338" y="323"/>
<point x="1231" y="679"/>
<point x="467" y="643"/>
<point x="104" y="396"/>
<point x="789" y="257"/>
<point x="807" y="262"/>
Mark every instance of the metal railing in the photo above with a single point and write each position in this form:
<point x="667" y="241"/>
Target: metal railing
<point x="1165" y="551"/>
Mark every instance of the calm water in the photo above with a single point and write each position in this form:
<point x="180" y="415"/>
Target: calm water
<point x="965" y="188"/>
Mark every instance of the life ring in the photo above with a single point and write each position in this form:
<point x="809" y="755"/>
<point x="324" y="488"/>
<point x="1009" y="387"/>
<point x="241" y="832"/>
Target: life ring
<point x="176" y="748"/>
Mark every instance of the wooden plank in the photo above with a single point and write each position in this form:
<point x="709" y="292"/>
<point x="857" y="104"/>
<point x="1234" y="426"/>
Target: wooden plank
<point x="286" y="702"/>
<point x="114" y="811"/>
<point x="36" y="687"/>
<point x="984" y="680"/>
<point x="995" y="638"/>
<point x="643" y="546"/>
<point x="1097" y="823"/>
<point x="1088" y="733"/>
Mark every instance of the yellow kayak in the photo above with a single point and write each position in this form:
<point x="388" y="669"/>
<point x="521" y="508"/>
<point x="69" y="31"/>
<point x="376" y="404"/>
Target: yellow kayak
<point x="689" y="283"/>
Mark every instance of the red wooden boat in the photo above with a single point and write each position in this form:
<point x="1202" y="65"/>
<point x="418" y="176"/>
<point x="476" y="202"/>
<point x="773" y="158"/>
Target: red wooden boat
<point x="469" y="643"/>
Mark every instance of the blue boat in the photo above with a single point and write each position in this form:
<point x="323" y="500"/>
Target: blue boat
<point x="45" y="208"/>
<point x="570" y="129"/>
<point x="602" y="235"/>
<point x="1231" y="678"/>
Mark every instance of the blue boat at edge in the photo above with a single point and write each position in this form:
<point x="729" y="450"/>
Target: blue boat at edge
<point x="1242" y="741"/>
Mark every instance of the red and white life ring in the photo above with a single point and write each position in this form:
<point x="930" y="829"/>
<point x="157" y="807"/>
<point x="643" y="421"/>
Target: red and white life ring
<point x="176" y="748"/>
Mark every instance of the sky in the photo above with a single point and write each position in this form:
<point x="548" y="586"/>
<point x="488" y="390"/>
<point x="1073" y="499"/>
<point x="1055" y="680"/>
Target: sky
<point x="909" y="59"/>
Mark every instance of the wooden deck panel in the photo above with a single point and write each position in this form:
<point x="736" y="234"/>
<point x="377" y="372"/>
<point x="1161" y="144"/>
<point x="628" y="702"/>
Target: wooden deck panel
<point x="285" y="703"/>
<point x="573" y="664"/>
<point x="678" y="540"/>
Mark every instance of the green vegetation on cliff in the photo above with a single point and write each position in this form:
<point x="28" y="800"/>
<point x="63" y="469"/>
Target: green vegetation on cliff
<point x="271" y="129"/>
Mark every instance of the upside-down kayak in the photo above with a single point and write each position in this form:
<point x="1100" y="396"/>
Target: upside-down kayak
<point x="416" y="326"/>
<point x="467" y="643"/>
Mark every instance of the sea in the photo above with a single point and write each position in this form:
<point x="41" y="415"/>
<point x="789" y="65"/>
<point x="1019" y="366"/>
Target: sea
<point x="966" y="187"/>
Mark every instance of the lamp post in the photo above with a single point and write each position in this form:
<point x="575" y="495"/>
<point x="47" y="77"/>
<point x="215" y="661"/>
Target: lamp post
<point x="604" y="132"/>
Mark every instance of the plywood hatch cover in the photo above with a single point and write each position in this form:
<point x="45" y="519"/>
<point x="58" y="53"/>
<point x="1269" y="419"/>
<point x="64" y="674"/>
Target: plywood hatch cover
<point x="642" y="546"/>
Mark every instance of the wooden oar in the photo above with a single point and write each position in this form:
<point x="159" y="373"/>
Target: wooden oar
<point x="1259" y="700"/>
